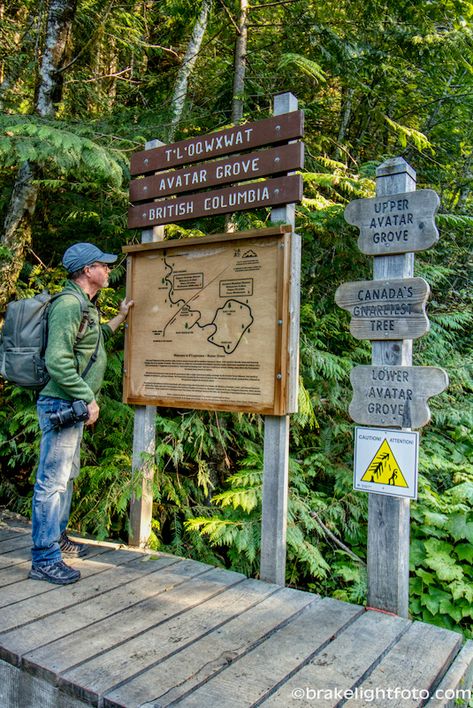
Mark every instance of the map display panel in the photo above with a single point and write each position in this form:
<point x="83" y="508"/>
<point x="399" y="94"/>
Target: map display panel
<point x="208" y="326"/>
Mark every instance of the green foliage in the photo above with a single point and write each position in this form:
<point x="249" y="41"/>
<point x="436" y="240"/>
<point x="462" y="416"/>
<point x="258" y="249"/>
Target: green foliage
<point x="441" y="557"/>
<point x="375" y="80"/>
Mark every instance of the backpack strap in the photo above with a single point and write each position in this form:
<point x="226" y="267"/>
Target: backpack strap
<point x="84" y="310"/>
<point x="82" y="327"/>
<point x="93" y="358"/>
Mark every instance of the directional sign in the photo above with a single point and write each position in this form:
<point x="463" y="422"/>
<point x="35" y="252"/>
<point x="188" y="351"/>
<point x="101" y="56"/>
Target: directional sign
<point x="282" y="190"/>
<point x="398" y="223"/>
<point x="269" y="131"/>
<point x="394" y="396"/>
<point x="386" y="462"/>
<point x="386" y="309"/>
<point x="224" y="171"/>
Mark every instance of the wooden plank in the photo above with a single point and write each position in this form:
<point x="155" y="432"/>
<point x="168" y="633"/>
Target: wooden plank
<point x="269" y="131"/>
<point x="96" y="599"/>
<point x="394" y="396"/>
<point x="102" y="673"/>
<point x="234" y="169"/>
<point x="181" y="672"/>
<point x="254" y="195"/>
<point x="41" y="599"/>
<point x="19" y="571"/>
<point x="385" y="309"/>
<point x="13" y="557"/>
<point x="395" y="222"/>
<point x="456" y="687"/>
<point x="18" y="688"/>
<point x="248" y="679"/>
<point x="7" y="533"/>
<point x="17" y="542"/>
<point x="83" y="645"/>
<point x="339" y="664"/>
<point x="415" y="662"/>
<point x="214" y="238"/>
<point x="14" y="574"/>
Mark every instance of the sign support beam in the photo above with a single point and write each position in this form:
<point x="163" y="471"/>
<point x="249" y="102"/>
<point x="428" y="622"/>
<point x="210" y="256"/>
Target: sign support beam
<point x="144" y="440"/>
<point x="389" y="517"/>
<point x="276" y="428"/>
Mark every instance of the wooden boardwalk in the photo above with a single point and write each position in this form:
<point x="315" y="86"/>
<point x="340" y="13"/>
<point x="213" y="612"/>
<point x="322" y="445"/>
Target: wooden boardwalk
<point x="151" y="630"/>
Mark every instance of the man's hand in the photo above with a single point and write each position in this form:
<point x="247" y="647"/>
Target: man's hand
<point x="94" y="411"/>
<point x="125" y="306"/>
<point x="116" y="321"/>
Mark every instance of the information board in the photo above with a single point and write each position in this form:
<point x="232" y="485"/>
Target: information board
<point x="210" y="322"/>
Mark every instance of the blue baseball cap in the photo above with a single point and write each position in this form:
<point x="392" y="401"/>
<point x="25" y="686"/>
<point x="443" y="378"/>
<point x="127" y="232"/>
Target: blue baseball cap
<point x="81" y="254"/>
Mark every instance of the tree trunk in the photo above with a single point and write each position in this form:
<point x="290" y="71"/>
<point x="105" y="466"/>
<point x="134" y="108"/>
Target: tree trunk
<point x="187" y="66"/>
<point x="16" y="237"/>
<point x="60" y="16"/>
<point x="345" y="117"/>
<point x="239" y="69"/>
<point x="17" y="231"/>
<point x="240" y="62"/>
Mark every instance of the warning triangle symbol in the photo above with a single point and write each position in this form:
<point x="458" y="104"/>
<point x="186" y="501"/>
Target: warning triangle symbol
<point x="383" y="468"/>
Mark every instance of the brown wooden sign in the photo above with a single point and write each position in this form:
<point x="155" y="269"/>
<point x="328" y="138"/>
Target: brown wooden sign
<point x="394" y="396"/>
<point x="386" y="309"/>
<point x="270" y="131"/>
<point x="281" y="190"/>
<point x="224" y="171"/>
<point x="399" y="223"/>
<point x="202" y="309"/>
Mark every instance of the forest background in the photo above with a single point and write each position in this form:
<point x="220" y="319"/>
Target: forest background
<point x="83" y="84"/>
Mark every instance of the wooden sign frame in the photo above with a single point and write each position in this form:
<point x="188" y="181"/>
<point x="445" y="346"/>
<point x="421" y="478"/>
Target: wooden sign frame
<point x="157" y="372"/>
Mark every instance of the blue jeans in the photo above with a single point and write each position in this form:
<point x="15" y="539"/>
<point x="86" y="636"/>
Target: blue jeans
<point x="59" y="464"/>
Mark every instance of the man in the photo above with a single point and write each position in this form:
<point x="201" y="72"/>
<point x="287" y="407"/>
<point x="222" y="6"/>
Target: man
<point x="76" y="360"/>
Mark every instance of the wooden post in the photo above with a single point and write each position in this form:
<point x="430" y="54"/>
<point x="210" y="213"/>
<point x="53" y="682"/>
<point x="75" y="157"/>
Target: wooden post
<point x="389" y="517"/>
<point x="144" y="439"/>
<point x="276" y="428"/>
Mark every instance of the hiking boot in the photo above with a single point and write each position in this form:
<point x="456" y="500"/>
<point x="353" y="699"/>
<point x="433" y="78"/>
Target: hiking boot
<point x="71" y="549"/>
<point x="58" y="573"/>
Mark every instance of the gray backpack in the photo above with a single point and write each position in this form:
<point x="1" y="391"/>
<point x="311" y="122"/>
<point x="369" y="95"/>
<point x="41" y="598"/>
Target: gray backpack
<point x="24" y="337"/>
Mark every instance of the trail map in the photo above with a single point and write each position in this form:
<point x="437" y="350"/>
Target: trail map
<point x="204" y="329"/>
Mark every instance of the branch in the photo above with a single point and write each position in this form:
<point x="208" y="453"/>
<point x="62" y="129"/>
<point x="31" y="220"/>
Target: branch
<point x="271" y="4"/>
<point x="335" y="539"/>
<point x="230" y="16"/>
<point x="115" y="75"/>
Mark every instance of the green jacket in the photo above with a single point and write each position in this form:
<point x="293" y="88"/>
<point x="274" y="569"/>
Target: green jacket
<point x="65" y="360"/>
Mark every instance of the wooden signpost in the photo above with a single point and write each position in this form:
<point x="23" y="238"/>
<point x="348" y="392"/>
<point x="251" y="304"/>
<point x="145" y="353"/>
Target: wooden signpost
<point x="234" y="298"/>
<point x="386" y="309"/>
<point x="223" y="171"/>
<point x="390" y="311"/>
<point x="270" y="131"/>
<point x="394" y="396"/>
<point x="395" y="223"/>
<point x="252" y="195"/>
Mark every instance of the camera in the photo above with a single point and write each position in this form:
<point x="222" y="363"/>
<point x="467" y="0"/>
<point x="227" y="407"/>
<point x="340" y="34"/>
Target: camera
<point x="76" y="412"/>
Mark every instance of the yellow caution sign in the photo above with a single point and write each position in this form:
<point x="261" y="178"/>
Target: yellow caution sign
<point x="384" y="469"/>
